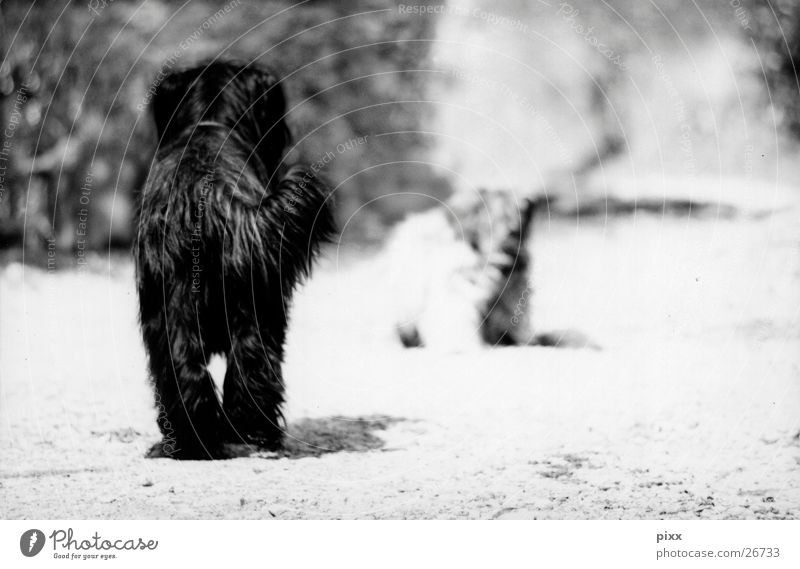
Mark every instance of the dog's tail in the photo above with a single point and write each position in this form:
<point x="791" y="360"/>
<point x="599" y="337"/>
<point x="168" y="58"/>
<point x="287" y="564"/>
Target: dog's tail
<point x="296" y="218"/>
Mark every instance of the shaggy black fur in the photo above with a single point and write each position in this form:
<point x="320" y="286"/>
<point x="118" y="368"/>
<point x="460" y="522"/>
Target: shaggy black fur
<point x="225" y="231"/>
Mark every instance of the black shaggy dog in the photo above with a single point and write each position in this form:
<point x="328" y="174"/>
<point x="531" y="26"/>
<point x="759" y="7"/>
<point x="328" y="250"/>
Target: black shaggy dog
<point x="225" y="231"/>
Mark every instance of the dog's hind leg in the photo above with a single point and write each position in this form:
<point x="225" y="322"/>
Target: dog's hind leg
<point x="187" y="405"/>
<point x="253" y="390"/>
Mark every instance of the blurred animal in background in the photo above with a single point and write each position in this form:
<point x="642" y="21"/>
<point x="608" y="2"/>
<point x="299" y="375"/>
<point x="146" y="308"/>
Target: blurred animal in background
<point x="459" y="275"/>
<point x="225" y="230"/>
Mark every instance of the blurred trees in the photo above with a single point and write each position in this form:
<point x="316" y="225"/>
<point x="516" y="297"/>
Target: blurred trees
<point x="75" y="80"/>
<point x="75" y="143"/>
<point x="74" y="124"/>
<point x="775" y="29"/>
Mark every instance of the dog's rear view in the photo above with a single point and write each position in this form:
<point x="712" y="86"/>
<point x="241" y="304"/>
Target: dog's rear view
<point x="225" y="231"/>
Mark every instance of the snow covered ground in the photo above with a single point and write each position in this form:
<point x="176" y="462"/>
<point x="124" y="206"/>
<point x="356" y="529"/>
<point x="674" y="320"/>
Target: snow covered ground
<point x="691" y="409"/>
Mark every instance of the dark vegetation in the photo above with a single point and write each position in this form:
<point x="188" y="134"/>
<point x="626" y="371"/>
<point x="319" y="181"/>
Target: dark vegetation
<point x="76" y="145"/>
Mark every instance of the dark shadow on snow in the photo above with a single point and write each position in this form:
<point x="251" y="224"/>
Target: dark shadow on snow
<point x="314" y="438"/>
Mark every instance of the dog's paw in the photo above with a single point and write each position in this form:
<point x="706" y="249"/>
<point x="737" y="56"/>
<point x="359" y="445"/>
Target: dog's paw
<point x="244" y="450"/>
<point x="171" y="449"/>
<point x="162" y="449"/>
<point x="566" y="339"/>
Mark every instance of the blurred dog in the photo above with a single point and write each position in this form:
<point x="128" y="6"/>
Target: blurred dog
<point x="225" y="231"/>
<point x="459" y="275"/>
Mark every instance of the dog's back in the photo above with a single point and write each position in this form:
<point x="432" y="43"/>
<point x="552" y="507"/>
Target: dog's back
<point x="196" y="187"/>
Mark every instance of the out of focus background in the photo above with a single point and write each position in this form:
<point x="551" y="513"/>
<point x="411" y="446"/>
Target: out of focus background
<point x="570" y="99"/>
<point x="662" y="137"/>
